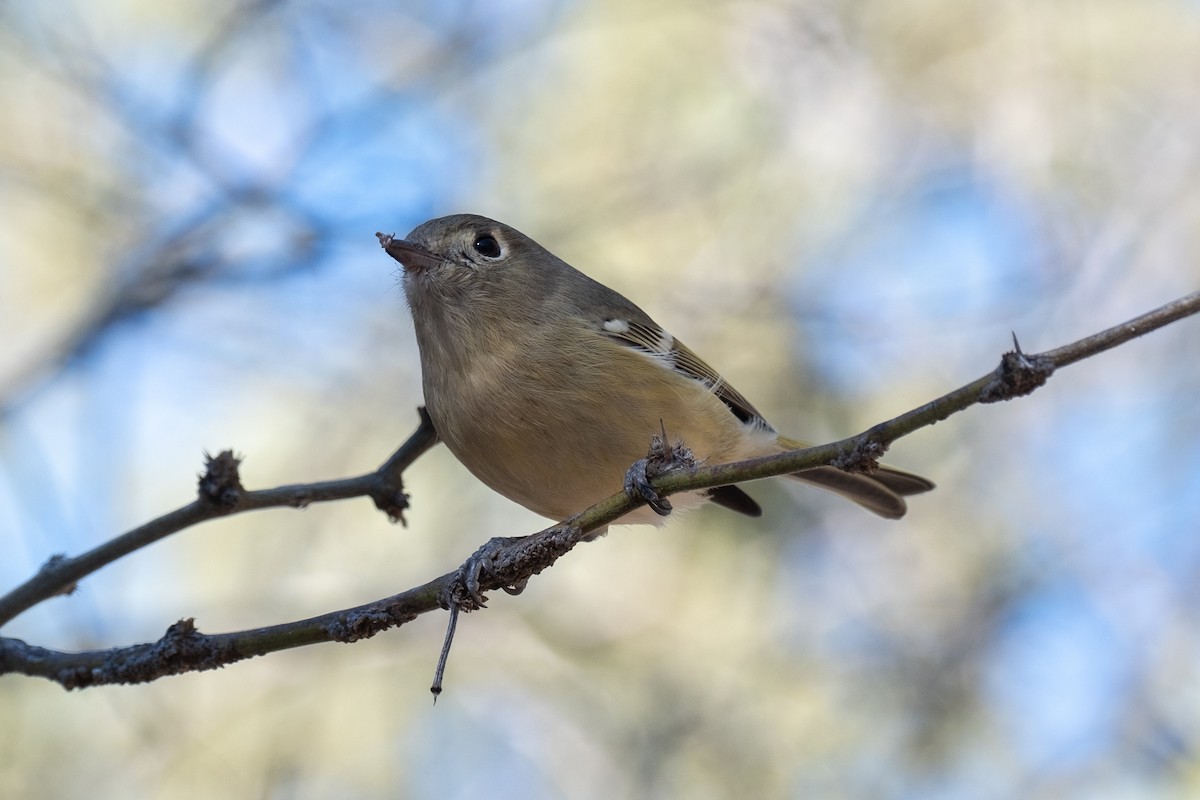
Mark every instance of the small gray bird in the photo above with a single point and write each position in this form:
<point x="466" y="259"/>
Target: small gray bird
<point x="548" y="385"/>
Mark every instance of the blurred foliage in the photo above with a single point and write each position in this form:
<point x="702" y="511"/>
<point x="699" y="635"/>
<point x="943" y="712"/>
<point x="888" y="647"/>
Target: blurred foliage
<point x="846" y="207"/>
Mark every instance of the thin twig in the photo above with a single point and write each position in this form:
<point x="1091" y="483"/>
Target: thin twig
<point x="440" y="672"/>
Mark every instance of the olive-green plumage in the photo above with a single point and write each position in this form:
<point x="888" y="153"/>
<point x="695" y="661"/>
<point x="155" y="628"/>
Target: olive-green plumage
<point x="548" y="385"/>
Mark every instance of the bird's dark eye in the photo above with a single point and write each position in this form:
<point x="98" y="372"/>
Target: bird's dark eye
<point x="487" y="246"/>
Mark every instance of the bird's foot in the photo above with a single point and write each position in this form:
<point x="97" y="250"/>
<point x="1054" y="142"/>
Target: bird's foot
<point x="661" y="458"/>
<point x="465" y="591"/>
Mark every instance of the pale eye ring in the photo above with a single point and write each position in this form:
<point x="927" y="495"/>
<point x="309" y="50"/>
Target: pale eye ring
<point x="487" y="246"/>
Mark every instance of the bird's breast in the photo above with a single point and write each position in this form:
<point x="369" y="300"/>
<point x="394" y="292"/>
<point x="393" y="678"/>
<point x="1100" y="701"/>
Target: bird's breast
<point x="557" y="432"/>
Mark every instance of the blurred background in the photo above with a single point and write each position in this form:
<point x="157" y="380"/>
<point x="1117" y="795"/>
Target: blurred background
<point x="845" y="207"/>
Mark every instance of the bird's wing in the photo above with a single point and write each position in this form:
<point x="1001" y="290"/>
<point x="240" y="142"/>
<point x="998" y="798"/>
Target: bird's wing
<point x="648" y="338"/>
<point x="881" y="492"/>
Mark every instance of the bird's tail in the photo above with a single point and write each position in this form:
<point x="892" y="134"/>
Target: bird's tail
<point x="882" y="492"/>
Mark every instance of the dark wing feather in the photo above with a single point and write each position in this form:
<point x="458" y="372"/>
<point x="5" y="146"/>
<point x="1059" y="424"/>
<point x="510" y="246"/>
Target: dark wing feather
<point x="651" y="340"/>
<point x="735" y="499"/>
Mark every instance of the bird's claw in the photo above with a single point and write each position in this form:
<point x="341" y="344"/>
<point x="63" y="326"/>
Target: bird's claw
<point x="465" y="592"/>
<point x="662" y="457"/>
<point x="637" y="486"/>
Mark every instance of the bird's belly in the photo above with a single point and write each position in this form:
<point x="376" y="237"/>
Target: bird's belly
<point x="558" y="449"/>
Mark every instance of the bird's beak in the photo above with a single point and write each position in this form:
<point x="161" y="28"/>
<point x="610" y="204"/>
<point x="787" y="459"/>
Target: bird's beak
<point x="412" y="257"/>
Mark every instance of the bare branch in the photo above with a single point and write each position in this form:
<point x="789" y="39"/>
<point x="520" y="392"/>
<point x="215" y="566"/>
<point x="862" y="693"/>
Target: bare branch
<point x="504" y="563"/>
<point x="220" y="495"/>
